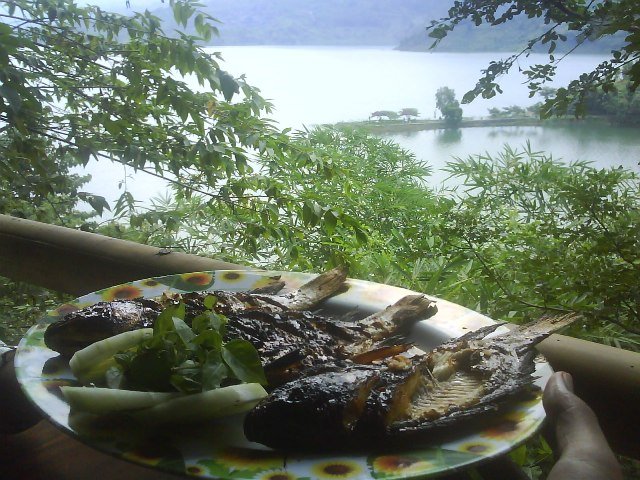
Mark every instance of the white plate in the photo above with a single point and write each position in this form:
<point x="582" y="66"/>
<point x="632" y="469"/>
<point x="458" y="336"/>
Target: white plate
<point x="220" y="450"/>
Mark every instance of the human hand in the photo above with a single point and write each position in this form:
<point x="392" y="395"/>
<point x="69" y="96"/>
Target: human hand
<point x="16" y="411"/>
<point x="583" y="450"/>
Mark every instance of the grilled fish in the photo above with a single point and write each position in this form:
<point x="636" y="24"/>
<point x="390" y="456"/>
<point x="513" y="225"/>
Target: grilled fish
<point x="288" y="337"/>
<point x="105" y="319"/>
<point x="400" y="398"/>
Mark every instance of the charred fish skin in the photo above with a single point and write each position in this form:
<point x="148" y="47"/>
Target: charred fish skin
<point x="343" y="406"/>
<point x="288" y="341"/>
<point x="291" y="342"/>
<point x="287" y="344"/>
<point x="104" y="319"/>
<point x="315" y="412"/>
<point x="451" y="386"/>
<point x="317" y="290"/>
<point x="96" y="322"/>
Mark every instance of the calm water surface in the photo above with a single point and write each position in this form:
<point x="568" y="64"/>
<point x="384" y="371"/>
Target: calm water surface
<point x="315" y="85"/>
<point x="601" y="146"/>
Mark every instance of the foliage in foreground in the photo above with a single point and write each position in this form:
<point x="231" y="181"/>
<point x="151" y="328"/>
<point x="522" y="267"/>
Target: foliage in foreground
<point x="551" y="236"/>
<point x="80" y="83"/>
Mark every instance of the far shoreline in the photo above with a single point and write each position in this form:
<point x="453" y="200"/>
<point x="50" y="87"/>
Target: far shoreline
<point x="401" y="126"/>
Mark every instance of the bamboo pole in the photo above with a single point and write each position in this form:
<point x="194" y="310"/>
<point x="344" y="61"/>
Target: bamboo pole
<point x="78" y="262"/>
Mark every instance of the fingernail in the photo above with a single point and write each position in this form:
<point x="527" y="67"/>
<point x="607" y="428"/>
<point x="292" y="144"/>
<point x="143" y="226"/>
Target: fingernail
<point x="566" y="381"/>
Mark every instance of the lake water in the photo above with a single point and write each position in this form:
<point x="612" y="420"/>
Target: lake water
<point x="603" y="147"/>
<point x="315" y="85"/>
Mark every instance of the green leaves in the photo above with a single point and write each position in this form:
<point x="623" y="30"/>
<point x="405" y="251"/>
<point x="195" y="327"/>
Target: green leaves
<point x="97" y="202"/>
<point x="578" y="21"/>
<point x="311" y="213"/>
<point x="61" y="86"/>
<point x="149" y="370"/>
<point x="182" y="11"/>
<point x="564" y="228"/>
<point x="243" y="360"/>
<point x="192" y="358"/>
<point x="228" y="85"/>
<point x="11" y="98"/>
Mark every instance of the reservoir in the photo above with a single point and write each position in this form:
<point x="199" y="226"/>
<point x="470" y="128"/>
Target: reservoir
<point x="319" y="85"/>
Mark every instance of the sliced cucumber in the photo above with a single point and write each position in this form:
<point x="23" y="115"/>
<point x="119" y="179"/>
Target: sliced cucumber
<point x="216" y="403"/>
<point x="105" y="400"/>
<point x="91" y="363"/>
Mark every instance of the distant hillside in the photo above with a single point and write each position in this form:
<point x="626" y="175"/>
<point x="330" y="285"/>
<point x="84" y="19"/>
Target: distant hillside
<point x="315" y="22"/>
<point x="509" y="37"/>
<point x="397" y="23"/>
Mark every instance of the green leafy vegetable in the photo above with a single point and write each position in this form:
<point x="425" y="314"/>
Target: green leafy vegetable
<point x="189" y="359"/>
<point x="243" y="360"/>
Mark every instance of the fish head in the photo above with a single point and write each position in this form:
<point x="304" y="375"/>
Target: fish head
<point x="94" y="323"/>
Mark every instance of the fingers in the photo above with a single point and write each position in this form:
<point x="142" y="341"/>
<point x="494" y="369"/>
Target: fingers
<point x="582" y="447"/>
<point x="17" y="412"/>
<point x="575" y="423"/>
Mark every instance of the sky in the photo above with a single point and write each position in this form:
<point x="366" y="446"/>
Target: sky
<point x="121" y="5"/>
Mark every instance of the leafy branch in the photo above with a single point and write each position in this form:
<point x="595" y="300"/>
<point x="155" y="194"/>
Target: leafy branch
<point x="586" y="20"/>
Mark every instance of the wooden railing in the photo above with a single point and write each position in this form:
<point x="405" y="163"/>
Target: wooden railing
<point x="78" y="262"/>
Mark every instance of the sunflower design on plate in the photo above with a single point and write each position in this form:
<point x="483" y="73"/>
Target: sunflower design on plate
<point x="400" y="465"/>
<point x="65" y="309"/>
<point x="477" y="447"/>
<point x="121" y="292"/>
<point x="510" y="425"/>
<point x="188" y="282"/>
<point x="337" y="469"/>
<point x="277" y="475"/>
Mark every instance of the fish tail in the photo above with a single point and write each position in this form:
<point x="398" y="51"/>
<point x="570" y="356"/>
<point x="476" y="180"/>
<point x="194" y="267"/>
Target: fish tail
<point x="524" y="336"/>
<point x="320" y="288"/>
<point x="548" y="324"/>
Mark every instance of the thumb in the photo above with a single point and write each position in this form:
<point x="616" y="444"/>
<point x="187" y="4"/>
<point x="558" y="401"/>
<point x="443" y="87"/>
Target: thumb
<point x="575" y="423"/>
<point x="579" y="438"/>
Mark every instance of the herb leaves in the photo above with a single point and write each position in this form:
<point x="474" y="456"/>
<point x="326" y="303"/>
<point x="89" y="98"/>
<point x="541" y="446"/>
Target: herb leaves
<point x="189" y="359"/>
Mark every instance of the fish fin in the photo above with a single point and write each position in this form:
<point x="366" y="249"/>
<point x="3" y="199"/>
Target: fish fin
<point x="318" y="289"/>
<point x="270" y="289"/>
<point x="399" y="317"/>
<point x="396" y="319"/>
<point x="549" y="323"/>
<point x="480" y="333"/>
